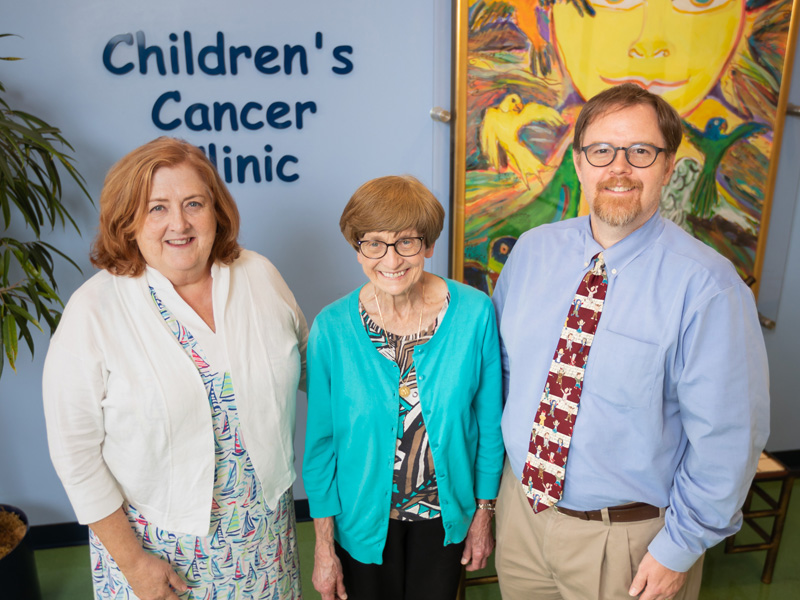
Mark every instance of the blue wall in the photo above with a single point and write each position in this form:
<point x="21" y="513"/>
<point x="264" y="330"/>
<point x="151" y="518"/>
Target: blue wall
<point x="780" y="285"/>
<point x="370" y="122"/>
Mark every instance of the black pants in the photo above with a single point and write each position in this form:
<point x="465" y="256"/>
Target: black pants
<point x="416" y="565"/>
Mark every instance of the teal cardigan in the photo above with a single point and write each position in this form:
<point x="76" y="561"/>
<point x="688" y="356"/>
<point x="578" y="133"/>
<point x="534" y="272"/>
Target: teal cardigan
<point x="353" y="407"/>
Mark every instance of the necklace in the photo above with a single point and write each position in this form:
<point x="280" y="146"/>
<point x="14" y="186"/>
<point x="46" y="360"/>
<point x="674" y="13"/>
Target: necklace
<point x="404" y="390"/>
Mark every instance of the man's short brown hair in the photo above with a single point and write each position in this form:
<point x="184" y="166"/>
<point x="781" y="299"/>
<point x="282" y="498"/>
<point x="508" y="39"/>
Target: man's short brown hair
<point x="624" y="96"/>
<point x="392" y="203"/>
<point x="126" y="192"/>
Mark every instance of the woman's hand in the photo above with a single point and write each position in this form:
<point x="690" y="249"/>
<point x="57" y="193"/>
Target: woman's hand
<point x="150" y="577"/>
<point x="480" y="540"/>
<point x="328" y="579"/>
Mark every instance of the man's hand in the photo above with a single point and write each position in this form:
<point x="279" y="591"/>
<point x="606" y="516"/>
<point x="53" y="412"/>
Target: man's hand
<point x="480" y="541"/>
<point x="654" y="581"/>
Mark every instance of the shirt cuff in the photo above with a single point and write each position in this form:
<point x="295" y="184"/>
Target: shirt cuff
<point x="668" y="554"/>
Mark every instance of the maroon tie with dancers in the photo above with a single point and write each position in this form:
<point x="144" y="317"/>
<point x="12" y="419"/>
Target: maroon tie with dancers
<point x="543" y="474"/>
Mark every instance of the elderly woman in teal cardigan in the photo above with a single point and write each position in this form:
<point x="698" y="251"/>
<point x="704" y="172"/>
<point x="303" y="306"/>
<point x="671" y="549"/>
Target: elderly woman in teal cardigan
<point x="403" y="446"/>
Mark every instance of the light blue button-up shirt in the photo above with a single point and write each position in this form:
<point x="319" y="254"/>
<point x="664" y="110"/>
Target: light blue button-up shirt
<point x="675" y="405"/>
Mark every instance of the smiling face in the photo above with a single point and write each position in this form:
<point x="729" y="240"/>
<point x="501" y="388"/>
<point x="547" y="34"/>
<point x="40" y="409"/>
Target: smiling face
<point x="393" y="274"/>
<point x="178" y="232"/>
<point x="674" y="48"/>
<point x="621" y="197"/>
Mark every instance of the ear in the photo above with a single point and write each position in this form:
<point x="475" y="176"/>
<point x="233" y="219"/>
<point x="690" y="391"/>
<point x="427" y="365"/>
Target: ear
<point x="577" y="157"/>
<point x="670" y="166"/>
<point x="429" y="250"/>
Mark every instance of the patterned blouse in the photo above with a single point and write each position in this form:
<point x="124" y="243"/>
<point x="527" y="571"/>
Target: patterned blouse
<point x="415" y="494"/>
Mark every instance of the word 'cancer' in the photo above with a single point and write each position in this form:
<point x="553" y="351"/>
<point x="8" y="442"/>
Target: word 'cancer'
<point x="252" y="116"/>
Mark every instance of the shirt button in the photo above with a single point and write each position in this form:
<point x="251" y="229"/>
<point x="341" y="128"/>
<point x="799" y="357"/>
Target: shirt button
<point x="613" y="271"/>
<point x="421" y="377"/>
<point x="586" y="264"/>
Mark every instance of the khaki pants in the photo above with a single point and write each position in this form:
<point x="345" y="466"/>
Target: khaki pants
<point x="552" y="556"/>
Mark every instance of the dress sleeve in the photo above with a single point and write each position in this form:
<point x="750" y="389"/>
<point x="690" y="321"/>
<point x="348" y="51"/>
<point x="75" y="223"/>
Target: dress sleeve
<point x="73" y="388"/>
<point x="319" y="459"/>
<point x="724" y="409"/>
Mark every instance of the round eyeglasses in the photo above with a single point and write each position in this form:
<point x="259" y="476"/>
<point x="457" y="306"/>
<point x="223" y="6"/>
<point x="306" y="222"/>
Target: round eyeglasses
<point x="404" y="247"/>
<point x="640" y="156"/>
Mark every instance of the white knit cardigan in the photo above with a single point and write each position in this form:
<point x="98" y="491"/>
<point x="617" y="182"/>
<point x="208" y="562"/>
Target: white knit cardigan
<point x="128" y="418"/>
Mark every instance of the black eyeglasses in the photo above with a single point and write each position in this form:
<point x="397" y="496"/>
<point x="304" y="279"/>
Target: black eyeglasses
<point x="404" y="247"/>
<point x="640" y="156"/>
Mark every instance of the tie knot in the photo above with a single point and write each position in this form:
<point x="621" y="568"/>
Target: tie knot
<point x="599" y="265"/>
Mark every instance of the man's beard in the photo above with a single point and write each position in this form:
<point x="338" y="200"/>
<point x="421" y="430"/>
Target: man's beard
<point x="613" y="211"/>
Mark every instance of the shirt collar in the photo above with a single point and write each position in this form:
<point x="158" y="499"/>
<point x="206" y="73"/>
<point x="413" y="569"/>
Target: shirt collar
<point x="618" y="256"/>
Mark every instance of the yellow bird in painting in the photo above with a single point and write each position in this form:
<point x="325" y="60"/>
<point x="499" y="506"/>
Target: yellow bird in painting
<point x="500" y="129"/>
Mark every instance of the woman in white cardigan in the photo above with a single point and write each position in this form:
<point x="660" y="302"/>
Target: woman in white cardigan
<point x="169" y="392"/>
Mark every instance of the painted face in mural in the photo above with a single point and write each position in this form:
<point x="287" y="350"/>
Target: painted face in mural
<point x="674" y="48"/>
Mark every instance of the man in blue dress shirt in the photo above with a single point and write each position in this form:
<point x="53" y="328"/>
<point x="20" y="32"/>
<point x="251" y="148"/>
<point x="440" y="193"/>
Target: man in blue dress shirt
<point x="674" y="403"/>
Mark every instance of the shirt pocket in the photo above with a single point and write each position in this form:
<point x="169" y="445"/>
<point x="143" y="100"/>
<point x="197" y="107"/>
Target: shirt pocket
<point x="624" y="370"/>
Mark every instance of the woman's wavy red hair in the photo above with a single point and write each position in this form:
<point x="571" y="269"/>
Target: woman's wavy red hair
<point x="126" y="192"/>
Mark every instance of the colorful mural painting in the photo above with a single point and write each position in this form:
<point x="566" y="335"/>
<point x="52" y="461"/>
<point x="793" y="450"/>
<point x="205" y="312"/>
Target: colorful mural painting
<point x="525" y="67"/>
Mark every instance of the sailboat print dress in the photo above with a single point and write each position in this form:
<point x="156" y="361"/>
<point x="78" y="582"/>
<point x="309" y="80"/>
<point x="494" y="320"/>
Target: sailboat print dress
<point x="251" y="550"/>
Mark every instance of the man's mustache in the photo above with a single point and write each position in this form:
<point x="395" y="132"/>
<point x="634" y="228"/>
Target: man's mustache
<point x="613" y="182"/>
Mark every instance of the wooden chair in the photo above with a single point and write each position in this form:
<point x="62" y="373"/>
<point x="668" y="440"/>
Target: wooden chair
<point x="470" y="581"/>
<point x="769" y="469"/>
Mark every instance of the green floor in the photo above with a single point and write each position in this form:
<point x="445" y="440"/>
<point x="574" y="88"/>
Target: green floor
<point x="64" y="572"/>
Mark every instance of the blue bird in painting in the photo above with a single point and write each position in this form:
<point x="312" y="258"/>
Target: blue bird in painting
<point x="499" y="250"/>
<point x="713" y="142"/>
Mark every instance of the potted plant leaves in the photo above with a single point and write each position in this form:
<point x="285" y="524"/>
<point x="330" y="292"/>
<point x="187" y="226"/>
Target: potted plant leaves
<point x="33" y="157"/>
